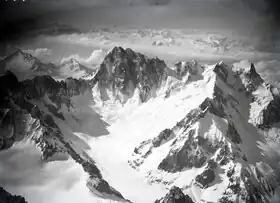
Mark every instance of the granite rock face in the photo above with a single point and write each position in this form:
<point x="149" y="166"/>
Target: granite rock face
<point x="124" y="70"/>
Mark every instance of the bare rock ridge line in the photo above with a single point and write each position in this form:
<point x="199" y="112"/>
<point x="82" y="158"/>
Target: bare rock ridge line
<point x="6" y="197"/>
<point x="175" y="195"/>
<point x="230" y="109"/>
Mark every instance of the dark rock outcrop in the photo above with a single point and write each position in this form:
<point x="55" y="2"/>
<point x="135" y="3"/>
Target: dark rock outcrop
<point x="191" y="154"/>
<point x="6" y="197"/>
<point x="253" y="78"/>
<point x="224" y="155"/>
<point x="175" y="195"/>
<point x="164" y="136"/>
<point x="214" y="106"/>
<point x="190" y="68"/>
<point x="221" y="70"/>
<point x="232" y="134"/>
<point x="8" y="83"/>
<point x="208" y="175"/>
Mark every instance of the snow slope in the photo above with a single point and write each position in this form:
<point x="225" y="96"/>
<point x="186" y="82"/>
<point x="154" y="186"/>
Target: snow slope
<point x="132" y="126"/>
<point x="228" y="128"/>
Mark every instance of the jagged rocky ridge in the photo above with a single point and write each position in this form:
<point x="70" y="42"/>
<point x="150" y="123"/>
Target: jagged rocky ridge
<point x="123" y="71"/>
<point x="21" y="119"/>
<point x="6" y="197"/>
<point x="175" y="195"/>
<point x="221" y="134"/>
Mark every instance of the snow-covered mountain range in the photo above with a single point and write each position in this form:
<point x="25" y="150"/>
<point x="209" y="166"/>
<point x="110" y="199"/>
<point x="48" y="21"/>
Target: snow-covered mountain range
<point x="143" y="131"/>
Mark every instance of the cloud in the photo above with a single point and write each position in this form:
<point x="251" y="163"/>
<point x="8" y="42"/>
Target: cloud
<point x="40" y="52"/>
<point x="95" y="58"/>
<point x="23" y="173"/>
<point x="269" y="70"/>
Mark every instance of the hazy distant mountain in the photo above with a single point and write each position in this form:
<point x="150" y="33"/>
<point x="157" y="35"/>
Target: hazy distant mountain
<point x="25" y="66"/>
<point x="72" y="68"/>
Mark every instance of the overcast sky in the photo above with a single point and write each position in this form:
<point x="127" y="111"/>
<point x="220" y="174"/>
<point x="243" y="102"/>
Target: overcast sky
<point x="162" y="13"/>
<point x="70" y="3"/>
<point x="30" y="7"/>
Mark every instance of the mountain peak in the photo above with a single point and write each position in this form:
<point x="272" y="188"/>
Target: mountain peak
<point x="73" y="68"/>
<point x="123" y="71"/>
<point x="248" y="75"/>
<point x="71" y="60"/>
<point x="26" y="66"/>
<point x="175" y="195"/>
<point x="222" y="70"/>
<point x="252" y="73"/>
<point x="253" y="69"/>
<point x="21" y="53"/>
